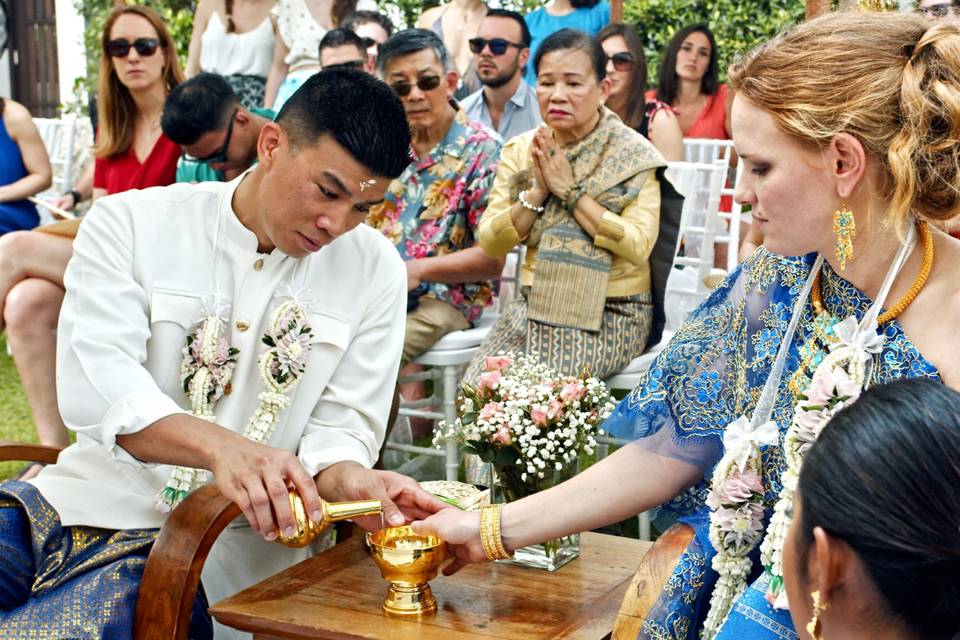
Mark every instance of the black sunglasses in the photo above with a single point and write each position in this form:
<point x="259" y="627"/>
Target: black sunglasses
<point x="220" y="155"/>
<point x="120" y="47"/>
<point x="369" y="42"/>
<point x="426" y="83"/>
<point x="622" y="61"/>
<point x="356" y="65"/>
<point x="939" y="10"/>
<point x="498" y="46"/>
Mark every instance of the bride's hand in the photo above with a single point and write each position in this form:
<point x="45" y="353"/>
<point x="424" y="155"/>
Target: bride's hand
<point x="461" y="531"/>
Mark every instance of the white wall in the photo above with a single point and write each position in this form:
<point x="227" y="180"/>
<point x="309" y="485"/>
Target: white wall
<point x="72" y="61"/>
<point x="5" y="89"/>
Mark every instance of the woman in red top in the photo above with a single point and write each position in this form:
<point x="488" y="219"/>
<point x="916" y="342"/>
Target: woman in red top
<point x="138" y="68"/>
<point x="690" y="83"/>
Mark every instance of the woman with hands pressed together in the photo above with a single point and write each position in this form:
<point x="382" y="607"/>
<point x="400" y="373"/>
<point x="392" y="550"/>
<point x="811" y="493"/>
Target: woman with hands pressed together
<point x="581" y="194"/>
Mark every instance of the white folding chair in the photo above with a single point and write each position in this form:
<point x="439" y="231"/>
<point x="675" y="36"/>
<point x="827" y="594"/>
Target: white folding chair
<point x="58" y="135"/>
<point x="721" y="152"/>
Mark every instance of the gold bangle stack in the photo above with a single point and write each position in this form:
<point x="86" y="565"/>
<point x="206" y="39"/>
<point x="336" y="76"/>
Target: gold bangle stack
<point x="490" y="533"/>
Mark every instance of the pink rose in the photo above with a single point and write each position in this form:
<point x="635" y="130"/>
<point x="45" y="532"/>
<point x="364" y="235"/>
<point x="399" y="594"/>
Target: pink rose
<point x="489" y="380"/>
<point x="496" y="363"/>
<point x="539" y="417"/>
<point x="489" y="410"/>
<point x="573" y="391"/>
<point x="554" y="409"/>
<point x="502" y="436"/>
<point x="829" y="382"/>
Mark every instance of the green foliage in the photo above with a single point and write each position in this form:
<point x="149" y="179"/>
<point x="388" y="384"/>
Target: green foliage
<point x="738" y="26"/>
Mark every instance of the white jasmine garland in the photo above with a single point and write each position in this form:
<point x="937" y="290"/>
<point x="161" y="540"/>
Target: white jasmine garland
<point x="207" y="367"/>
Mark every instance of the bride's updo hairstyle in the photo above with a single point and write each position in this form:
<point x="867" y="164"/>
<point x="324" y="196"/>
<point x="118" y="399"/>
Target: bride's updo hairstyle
<point x="892" y="80"/>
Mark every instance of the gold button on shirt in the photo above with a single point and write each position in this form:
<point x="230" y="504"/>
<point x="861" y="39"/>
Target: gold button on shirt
<point x="242" y="325"/>
<point x="258" y="264"/>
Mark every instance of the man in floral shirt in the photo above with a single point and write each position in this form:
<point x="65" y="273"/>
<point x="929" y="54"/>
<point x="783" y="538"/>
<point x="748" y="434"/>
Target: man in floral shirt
<point x="431" y="211"/>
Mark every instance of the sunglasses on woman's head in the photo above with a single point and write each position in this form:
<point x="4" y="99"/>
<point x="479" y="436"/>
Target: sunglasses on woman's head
<point x="622" y="61"/>
<point x="426" y="83"/>
<point x="498" y="46"/>
<point x="120" y="47"/>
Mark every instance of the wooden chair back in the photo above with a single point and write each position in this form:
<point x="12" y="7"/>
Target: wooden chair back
<point x="648" y="582"/>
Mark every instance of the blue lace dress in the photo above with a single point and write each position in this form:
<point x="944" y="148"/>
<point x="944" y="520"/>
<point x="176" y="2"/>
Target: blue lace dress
<point x="711" y="373"/>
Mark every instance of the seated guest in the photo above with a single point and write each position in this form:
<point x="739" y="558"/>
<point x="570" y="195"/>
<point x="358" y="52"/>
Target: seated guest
<point x="218" y="134"/>
<point x="24" y="167"/>
<point x="690" y="83"/>
<point x="344" y="48"/>
<point x="431" y="211"/>
<point x="373" y="27"/>
<point x="506" y="103"/>
<point x="627" y="70"/>
<point x="234" y="38"/>
<point x="873" y="549"/>
<point x="247" y="265"/>
<point x="138" y="69"/>
<point x="582" y="195"/>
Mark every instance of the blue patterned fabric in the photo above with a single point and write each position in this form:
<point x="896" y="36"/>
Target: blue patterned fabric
<point x="70" y="582"/>
<point x="711" y="373"/>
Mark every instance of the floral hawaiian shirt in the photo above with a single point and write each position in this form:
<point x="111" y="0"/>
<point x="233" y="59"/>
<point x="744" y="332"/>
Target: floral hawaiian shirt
<point x="435" y="205"/>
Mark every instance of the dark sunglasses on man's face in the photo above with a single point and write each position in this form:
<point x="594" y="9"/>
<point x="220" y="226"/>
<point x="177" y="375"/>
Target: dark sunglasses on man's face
<point x="220" y="155"/>
<point x="370" y="42"/>
<point x="939" y="10"/>
<point x="120" y="47"/>
<point x="498" y="46"/>
<point x="426" y="83"/>
<point x="622" y="61"/>
<point x="356" y="65"/>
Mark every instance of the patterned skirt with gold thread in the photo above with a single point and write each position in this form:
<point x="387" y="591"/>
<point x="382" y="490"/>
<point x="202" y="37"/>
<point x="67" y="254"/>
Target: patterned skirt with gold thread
<point x="70" y="582"/>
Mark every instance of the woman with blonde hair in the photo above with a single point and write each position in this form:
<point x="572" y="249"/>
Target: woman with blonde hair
<point x="847" y="125"/>
<point x="138" y="68"/>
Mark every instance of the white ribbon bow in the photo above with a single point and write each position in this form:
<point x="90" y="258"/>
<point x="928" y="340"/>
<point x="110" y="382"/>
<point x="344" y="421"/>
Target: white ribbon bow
<point x="740" y="439"/>
<point x="851" y="335"/>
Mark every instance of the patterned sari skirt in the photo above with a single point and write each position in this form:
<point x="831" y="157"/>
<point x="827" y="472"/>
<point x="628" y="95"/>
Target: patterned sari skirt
<point x="61" y="582"/>
<point x="622" y="337"/>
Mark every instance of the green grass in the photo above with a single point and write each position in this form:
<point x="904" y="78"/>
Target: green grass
<point x="16" y="421"/>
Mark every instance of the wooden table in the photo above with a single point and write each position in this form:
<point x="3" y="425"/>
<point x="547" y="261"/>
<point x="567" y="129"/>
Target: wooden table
<point x="337" y="596"/>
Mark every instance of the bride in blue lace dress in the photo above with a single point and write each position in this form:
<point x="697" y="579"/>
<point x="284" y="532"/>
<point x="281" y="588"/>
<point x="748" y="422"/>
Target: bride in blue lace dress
<point x="848" y="121"/>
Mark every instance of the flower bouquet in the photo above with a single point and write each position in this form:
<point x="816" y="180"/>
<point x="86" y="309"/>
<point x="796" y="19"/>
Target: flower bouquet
<point x="531" y="424"/>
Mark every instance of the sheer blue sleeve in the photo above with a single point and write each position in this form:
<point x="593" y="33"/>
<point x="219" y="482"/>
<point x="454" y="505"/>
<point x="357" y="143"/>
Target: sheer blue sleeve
<point x="714" y="368"/>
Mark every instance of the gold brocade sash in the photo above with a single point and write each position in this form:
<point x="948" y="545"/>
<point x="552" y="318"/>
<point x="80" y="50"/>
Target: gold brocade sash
<point x="569" y="286"/>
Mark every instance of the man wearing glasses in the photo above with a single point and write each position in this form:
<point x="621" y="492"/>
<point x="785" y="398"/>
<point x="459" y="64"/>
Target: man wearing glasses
<point x="344" y="49"/>
<point x="218" y="135"/>
<point x="947" y="11"/>
<point x="431" y="211"/>
<point x="501" y="49"/>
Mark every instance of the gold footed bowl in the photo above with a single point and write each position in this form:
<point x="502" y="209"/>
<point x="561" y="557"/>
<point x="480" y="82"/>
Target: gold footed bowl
<point x="408" y="561"/>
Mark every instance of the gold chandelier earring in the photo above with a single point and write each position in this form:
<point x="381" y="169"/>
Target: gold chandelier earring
<point x="813" y="627"/>
<point x="844" y="228"/>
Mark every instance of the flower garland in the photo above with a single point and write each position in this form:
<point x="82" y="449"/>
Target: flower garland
<point x="206" y="369"/>
<point x="836" y="383"/>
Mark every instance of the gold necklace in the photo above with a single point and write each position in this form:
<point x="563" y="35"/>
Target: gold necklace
<point x="926" y="238"/>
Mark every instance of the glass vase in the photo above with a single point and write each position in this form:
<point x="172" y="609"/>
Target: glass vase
<point x="510" y="486"/>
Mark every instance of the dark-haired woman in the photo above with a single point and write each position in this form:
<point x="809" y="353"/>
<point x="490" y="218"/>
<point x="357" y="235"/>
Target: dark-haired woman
<point x="588" y="16"/>
<point x="235" y="39"/>
<point x="874" y="547"/>
<point x="627" y="70"/>
<point x="690" y="83"/>
<point x="138" y="67"/>
<point x="24" y="167"/>
<point x="582" y="195"/>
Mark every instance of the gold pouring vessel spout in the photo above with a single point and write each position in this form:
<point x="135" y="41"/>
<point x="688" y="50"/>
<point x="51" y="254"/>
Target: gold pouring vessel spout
<point x="308" y="530"/>
<point x="408" y="561"/>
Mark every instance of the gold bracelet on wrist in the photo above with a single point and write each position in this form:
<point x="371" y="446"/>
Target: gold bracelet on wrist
<point x="490" y="536"/>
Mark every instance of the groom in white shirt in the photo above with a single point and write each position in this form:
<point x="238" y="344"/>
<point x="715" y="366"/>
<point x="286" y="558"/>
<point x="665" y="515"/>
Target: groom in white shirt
<point x="280" y="257"/>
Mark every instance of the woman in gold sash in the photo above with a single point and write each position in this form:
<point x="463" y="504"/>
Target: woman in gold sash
<point x="582" y="195"/>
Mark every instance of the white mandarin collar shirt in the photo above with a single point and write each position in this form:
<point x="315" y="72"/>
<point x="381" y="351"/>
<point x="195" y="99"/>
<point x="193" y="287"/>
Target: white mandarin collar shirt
<point x="146" y="265"/>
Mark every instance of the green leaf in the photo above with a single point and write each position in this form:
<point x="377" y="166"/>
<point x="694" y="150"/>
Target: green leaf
<point x="267" y="340"/>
